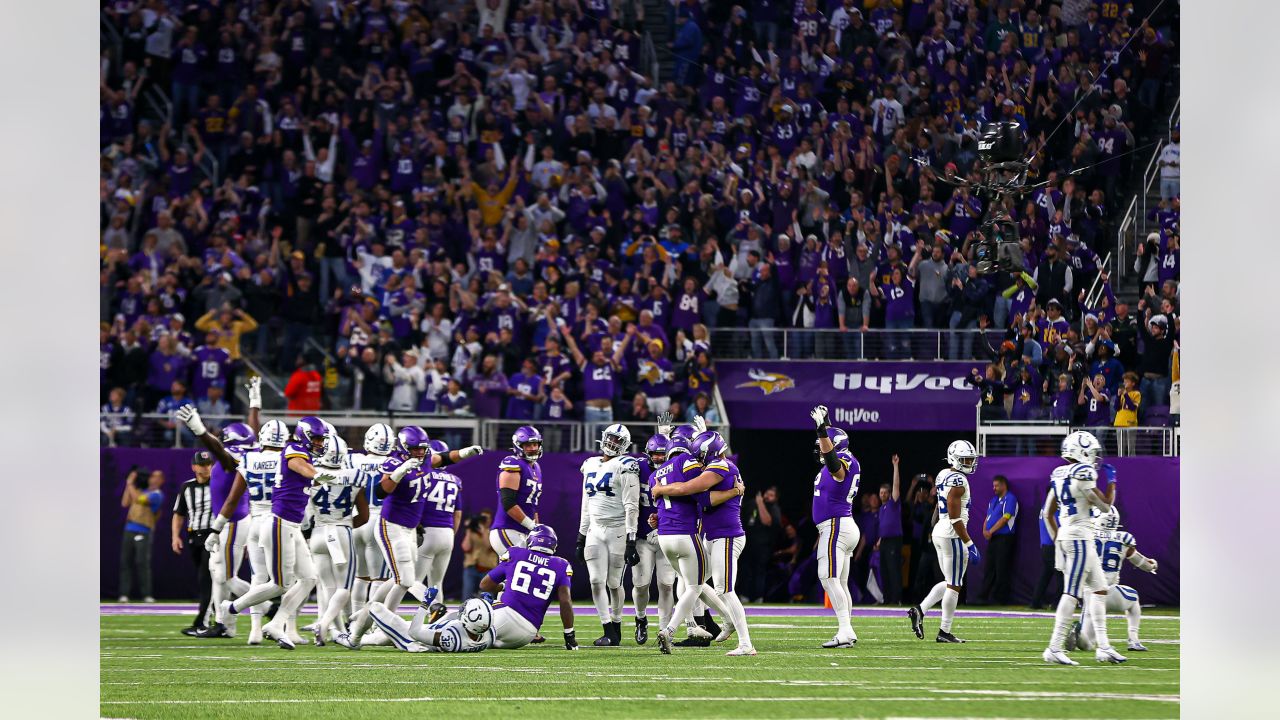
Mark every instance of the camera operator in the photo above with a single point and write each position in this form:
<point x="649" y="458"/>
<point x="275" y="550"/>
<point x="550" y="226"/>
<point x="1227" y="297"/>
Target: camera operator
<point x="478" y="556"/>
<point x="142" y="498"/>
<point x="924" y="514"/>
<point x="194" y="506"/>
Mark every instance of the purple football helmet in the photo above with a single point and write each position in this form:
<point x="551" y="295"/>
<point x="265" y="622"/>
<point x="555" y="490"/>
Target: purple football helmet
<point x="839" y="439"/>
<point x="412" y="438"/>
<point x="658" y="445"/>
<point x="681" y="440"/>
<point x="236" y="434"/>
<point x="438" y="447"/>
<point x="311" y="431"/>
<point x="542" y="539"/>
<point x="709" y="445"/>
<point x="524" y="435"/>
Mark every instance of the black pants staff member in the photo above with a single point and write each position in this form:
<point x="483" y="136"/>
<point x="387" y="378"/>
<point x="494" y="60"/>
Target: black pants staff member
<point x="193" y="507"/>
<point x="1002" y="514"/>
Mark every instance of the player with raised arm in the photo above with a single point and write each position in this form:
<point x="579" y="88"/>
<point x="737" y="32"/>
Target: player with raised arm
<point x="607" y="525"/>
<point x="403" y="487"/>
<point x="441" y="519"/>
<point x="468" y="629"/>
<point x="379" y="442"/>
<point x="259" y="472"/>
<point x="956" y="551"/>
<point x="1114" y="546"/>
<point x="529" y="577"/>
<point x="678" y="522"/>
<point x="226" y="544"/>
<point x="834" y="488"/>
<point x="519" y="490"/>
<point x="719" y="490"/>
<point x="332" y="542"/>
<point x="650" y="561"/>
<point x="1072" y="496"/>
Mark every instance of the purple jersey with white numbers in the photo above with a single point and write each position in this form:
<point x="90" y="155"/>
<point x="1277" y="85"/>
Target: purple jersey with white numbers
<point x="833" y="498"/>
<point x="597" y="381"/>
<point x="440" y="499"/>
<point x="527" y="495"/>
<point x="677" y="515"/>
<point x="530" y="581"/>
<point x="210" y="363"/>
<point x="403" y="506"/>
<point x="647" y="507"/>
<point x="289" y="499"/>
<point x="723" y="520"/>
<point x="220" y="486"/>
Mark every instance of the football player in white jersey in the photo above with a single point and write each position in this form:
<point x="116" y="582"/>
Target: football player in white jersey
<point x="1114" y="546"/>
<point x="260" y="471"/>
<point x="371" y="569"/>
<point x="468" y="629"/>
<point x="1073" y="495"/>
<point x="607" y="525"/>
<point x="332" y="540"/>
<point x="956" y="551"/>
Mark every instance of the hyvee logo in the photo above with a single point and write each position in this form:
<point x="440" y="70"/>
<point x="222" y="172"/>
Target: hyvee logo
<point x="856" y="415"/>
<point x="886" y="384"/>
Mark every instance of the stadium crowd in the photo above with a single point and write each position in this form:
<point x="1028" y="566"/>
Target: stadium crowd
<point x="491" y="208"/>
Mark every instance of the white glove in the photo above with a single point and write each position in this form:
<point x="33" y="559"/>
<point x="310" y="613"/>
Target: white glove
<point x="337" y="477"/>
<point x="212" y="542"/>
<point x="699" y="424"/>
<point x="405" y="468"/>
<point x="191" y="418"/>
<point x="470" y="451"/>
<point x="1154" y="565"/>
<point x="219" y="522"/>
<point x="255" y="392"/>
<point x="819" y="415"/>
<point x="664" y="424"/>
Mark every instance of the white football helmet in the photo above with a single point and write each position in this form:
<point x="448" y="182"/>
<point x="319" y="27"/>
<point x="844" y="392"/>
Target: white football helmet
<point x="615" y="440"/>
<point x="379" y="439"/>
<point x="962" y="457"/>
<point x="1081" y="447"/>
<point x="335" y="452"/>
<point x="273" y="434"/>
<point x="476" y="616"/>
<point x="1109" y="520"/>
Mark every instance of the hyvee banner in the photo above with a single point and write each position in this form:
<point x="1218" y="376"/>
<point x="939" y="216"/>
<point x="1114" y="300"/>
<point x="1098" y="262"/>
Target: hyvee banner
<point x="878" y="395"/>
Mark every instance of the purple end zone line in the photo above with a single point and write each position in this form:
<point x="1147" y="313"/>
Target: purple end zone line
<point x="752" y="610"/>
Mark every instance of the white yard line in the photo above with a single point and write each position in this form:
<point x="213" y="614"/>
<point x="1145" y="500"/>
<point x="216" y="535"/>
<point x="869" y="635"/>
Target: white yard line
<point x="1028" y="697"/>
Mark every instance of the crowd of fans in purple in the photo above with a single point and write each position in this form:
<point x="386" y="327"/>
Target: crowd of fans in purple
<point x="490" y="208"/>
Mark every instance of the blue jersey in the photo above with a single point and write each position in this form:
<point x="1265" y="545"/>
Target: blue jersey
<point x="834" y="498"/>
<point x="527" y="495"/>
<point x="677" y="515"/>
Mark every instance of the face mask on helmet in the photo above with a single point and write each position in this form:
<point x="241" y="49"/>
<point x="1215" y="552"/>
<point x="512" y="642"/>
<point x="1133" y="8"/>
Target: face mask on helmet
<point x="527" y="442"/>
<point x="615" y="440"/>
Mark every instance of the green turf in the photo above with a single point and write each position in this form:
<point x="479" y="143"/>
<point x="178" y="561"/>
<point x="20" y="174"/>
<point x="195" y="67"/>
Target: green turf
<point x="150" y="671"/>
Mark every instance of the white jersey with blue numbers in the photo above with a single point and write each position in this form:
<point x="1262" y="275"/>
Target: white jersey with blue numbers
<point x="370" y="467"/>
<point x="261" y="471"/>
<point x="334" y="504"/>
<point x="610" y="492"/>
<point x="1072" y="485"/>
<point x="944" y="481"/>
<point x="1113" y="546"/>
<point x="454" y="637"/>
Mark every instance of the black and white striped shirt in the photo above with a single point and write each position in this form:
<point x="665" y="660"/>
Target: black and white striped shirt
<point x="194" y="504"/>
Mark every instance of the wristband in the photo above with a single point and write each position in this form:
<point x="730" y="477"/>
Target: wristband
<point x="528" y="523"/>
<point x="968" y="545"/>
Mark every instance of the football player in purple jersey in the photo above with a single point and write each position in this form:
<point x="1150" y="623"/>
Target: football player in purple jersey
<point x="529" y="577"/>
<point x="651" y="560"/>
<point x="519" y="491"/>
<point x="441" y="519"/>
<point x="833" y="491"/>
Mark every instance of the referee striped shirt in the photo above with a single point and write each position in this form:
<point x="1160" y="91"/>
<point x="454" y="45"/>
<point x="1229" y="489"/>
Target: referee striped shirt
<point x="194" y="504"/>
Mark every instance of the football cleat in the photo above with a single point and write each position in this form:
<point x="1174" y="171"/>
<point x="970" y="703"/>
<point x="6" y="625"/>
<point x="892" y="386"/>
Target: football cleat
<point x="709" y="624"/>
<point x="741" y="650"/>
<point x="435" y="612"/>
<point x="1137" y="647"/>
<point x="840" y="642"/>
<point x="664" y="641"/>
<point x="537" y="639"/>
<point x="1073" y="636"/>
<point x="725" y="631"/>
<point x="344" y="639"/>
<point x="255" y="635"/>
<point x="215" y="630"/>
<point x="946" y="637"/>
<point x="696" y="632"/>
<point x="1057" y="657"/>
<point x="416" y="647"/>
<point x="1108" y="655"/>
<point x="310" y="628"/>
<point x="285" y="643"/>
<point x="693" y="641"/>
<point x="223" y="612"/>
<point x="192" y="631"/>
<point x="642" y="630"/>
<point x="606" y="640"/>
<point x="319" y="634"/>
<point x="917" y="621"/>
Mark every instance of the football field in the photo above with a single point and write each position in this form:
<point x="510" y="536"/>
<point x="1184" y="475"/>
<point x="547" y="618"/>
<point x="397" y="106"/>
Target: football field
<point x="149" y="670"/>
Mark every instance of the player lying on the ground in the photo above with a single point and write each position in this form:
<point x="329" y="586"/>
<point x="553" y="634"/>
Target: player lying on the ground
<point x="1113" y="545"/>
<point x="529" y="576"/>
<point x="469" y="629"/>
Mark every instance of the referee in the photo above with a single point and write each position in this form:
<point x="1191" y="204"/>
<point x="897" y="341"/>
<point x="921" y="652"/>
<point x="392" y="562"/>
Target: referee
<point x="193" y="506"/>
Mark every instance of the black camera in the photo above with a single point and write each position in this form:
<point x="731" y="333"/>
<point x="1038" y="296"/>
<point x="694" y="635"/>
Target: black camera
<point x="1001" y="142"/>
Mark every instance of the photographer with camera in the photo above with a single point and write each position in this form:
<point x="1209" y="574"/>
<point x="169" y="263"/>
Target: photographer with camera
<point x="478" y="557"/>
<point x="142" y="499"/>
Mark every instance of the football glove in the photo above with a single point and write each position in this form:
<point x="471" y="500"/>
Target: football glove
<point x="699" y="424"/>
<point x="255" y="392"/>
<point x="664" y="424"/>
<point x="632" y="556"/>
<point x="570" y="640"/>
<point x="470" y="451"/>
<point x="191" y="418"/>
<point x="487" y="597"/>
<point x="974" y="556"/>
<point x="1108" y="471"/>
<point x="819" y="415"/>
<point x="581" y="549"/>
<point x="405" y="468"/>
<point x="211" y="543"/>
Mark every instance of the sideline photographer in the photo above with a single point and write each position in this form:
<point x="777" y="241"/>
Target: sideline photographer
<point x="142" y="498"/>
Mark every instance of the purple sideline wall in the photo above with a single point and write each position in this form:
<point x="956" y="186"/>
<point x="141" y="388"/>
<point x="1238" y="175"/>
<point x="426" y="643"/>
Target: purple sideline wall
<point x="1147" y="497"/>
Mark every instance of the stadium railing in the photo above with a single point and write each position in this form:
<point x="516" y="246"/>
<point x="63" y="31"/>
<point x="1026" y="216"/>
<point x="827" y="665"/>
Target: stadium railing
<point x="870" y="344"/>
<point x="1044" y="438"/>
<point x="149" y="430"/>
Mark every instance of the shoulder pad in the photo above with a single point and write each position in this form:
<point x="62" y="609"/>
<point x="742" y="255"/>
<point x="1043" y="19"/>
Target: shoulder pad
<point x="390" y="464"/>
<point x="511" y="462"/>
<point x="1126" y="539"/>
<point x="1080" y="471"/>
<point x="689" y="462"/>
